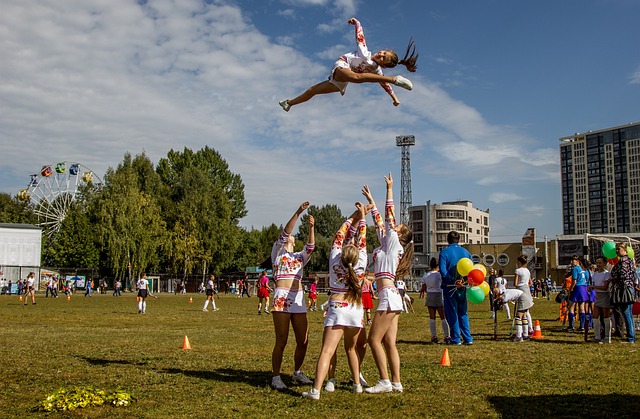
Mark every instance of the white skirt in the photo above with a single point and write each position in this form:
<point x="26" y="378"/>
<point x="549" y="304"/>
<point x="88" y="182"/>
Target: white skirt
<point x="288" y="301"/>
<point x="390" y="299"/>
<point x="342" y="313"/>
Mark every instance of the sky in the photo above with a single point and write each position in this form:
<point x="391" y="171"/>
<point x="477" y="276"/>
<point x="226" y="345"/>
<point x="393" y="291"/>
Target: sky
<point x="498" y="83"/>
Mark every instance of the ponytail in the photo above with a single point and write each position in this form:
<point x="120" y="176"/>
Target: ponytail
<point x="410" y="57"/>
<point x="348" y="258"/>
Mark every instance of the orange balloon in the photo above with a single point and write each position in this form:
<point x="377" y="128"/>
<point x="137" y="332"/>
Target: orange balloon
<point x="475" y="277"/>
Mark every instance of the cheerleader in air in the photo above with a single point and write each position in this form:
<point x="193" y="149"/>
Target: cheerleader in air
<point x="361" y="67"/>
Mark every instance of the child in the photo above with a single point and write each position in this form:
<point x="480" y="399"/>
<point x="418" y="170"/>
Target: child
<point x="432" y="284"/>
<point x="313" y="295"/>
<point x="361" y="67"/>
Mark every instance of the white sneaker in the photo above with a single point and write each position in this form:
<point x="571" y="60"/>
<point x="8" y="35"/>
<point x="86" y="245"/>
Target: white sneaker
<point x="331" y="385"/>
<point x="396" y="387"/>
<point x="205" y="310"/>
<point x="216" y="309"/>
<point x="357" y="388"/>
<point x="380" y="387"/>
<point x="312" y="394"/>
<point x="402" y="82"/>
<point x="276" y="383"/>
<point x="363" y="381"/>
<point x="300" y="378"/>
<point x="285" y="105"/>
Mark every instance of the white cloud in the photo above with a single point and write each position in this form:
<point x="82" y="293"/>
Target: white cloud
<point x="635" y="77"/>
<point x="502" y="197"/>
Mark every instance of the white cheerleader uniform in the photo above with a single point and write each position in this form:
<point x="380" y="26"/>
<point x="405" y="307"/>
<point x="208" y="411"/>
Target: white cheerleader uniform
<point x="289" y="265"/>
<point x="386" y="258"/>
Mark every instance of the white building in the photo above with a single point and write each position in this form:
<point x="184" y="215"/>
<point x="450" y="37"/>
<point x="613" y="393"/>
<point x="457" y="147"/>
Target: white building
<point x="20" y="251"/>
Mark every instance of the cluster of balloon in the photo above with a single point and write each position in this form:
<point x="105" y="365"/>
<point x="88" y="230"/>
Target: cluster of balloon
<point x="609" y="251"/>
<point x="475" y="277"/>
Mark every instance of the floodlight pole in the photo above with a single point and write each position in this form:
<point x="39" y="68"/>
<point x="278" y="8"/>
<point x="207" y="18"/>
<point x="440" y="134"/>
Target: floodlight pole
<point x="405" y="141"/>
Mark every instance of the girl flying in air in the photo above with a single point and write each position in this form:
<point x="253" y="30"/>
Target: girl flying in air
<point x="361" y="67"/>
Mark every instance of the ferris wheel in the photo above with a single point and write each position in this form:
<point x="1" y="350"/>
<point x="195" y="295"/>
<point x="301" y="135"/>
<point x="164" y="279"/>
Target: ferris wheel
<point x="54" y="188"/>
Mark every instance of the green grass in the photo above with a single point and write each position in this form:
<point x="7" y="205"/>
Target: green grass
<point x="102" y="342"/>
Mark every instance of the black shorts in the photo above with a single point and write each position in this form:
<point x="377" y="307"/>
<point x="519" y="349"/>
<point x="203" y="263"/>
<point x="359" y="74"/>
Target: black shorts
<point x="143" y="293"/>
<point x="209" y="293"/>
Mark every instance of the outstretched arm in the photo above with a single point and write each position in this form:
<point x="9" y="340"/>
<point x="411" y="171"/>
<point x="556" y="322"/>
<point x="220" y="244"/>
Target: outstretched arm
<point x="312" y="236"/>
<point x="292" y="222"/>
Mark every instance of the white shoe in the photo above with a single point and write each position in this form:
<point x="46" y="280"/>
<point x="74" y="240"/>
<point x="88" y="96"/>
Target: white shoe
<point x="312" y="394"/>
<point x="363" y="381"/>
<point x="300" y="378"/>
<point x="216" y="309"/>
<point x="276" y="383"/>
<point x="330" y="386"/>
<point x="285" y="105"/>
<point x="397" y="387"/>
<point x="380" y="387"/>
<point x="205" y="310"/>
<point x="402" y="82"/>
<point x="357" y="388"/>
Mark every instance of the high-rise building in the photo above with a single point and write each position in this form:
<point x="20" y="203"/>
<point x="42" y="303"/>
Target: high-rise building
<point x="600" y="181"/>
<point x="432" y="222"/>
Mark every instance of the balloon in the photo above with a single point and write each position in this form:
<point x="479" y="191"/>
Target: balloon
<point x="464" y="266"/>
<point x="635" y="308"/>
<point x="481" y="267"/>
<point x="475" y="295"/>
<point x="613" y="261"/>
<point x="630" y="252"/>
<point x="609" y="250"/>
<point x="485" y="287"/>
<point x="475" y="277"/>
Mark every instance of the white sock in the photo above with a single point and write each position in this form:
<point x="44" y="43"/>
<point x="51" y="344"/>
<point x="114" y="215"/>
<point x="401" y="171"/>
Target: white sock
<point x="213" y="304"/>
<point x="445" y="328"/>
<point x="508" y="310"/>
<point x="206" y="303"/>
<point x="529" y="324"/>
<point x="518" y="328"/>
<point x="596" y="328"/>
<point x="607" y="329"/>
<point x="139" y="305"/>
<point x="432" y="327"/>
<point x="144" y="306"/>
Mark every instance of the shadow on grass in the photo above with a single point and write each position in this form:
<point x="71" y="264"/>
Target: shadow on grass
<point x="105" y="362"/>
<point x="226" y="375"/>
<point x="568" y="405"/>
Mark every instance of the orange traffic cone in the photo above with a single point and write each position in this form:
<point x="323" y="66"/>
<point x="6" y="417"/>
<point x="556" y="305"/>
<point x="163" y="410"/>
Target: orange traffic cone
<point x="191" y="301"/>
<point x="68" y="297"/>
<point x="445" y="361"/>
<point x="537" y="332"/>
<point x="185" y="343"/>
<point x="21" y="298"/>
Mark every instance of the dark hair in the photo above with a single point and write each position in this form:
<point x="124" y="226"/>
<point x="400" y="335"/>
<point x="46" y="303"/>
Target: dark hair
<point x="410" y="58"/>
<point x="522" y="259"/>
<point x="500" y="273"/>
<point x="453" y="237"/>
<point x="433" y="263"/>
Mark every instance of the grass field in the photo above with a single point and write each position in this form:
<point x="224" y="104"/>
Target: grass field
<point x="102" y="342"/>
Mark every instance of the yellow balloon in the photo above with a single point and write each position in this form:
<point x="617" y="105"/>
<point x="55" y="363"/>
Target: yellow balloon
<point x="464" y="266"/>
<point x="481" y="267"/>
<point x="485" y="287"/>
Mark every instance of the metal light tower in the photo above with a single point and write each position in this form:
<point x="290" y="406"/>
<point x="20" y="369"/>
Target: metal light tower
<point x="405" y="141"/>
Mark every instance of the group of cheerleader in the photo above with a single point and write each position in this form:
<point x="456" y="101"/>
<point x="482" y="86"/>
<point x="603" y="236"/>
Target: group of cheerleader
<point x="345" y="312"/>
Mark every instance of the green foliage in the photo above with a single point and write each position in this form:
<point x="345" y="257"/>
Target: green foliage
<point x="14" y="211"/>
<point x="75" y="246"/>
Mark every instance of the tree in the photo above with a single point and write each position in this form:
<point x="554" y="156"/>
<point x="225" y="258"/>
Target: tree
<point x="131" y="227"/>
<point x="14" y="211"/>
<point x="74" y="246"/>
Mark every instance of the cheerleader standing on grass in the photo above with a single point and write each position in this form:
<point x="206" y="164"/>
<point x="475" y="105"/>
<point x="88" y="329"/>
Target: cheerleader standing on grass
<point x="434" y="301"/>
<point x="289" y="307"/>
<point x="602" y="303"/>
<point x="361" y="67"/>
<point x="525" y="302"/>
<point x="391" y="260"/>
<point x="263" y="292"/>
<point x="347" y="264"/>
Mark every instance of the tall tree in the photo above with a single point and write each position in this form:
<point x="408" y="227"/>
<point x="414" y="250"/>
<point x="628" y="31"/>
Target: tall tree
<point x="74" y="246"/>
<point x="132" y="229"/>
<point x="14" y="211"/>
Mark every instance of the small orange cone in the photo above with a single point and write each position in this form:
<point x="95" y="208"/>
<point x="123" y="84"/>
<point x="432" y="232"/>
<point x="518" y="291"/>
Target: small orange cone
<point x="21" y="298"/>
<point x="191" y="301"/>
<point x="68" y="297"/>
<point x="445" y="361"/>
<point x="185" y="343"/>
<point x="537" y="332"/>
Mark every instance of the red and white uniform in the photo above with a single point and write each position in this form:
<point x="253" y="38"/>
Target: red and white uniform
<point x="387" y="257"/>
<point x="288" y="265"/>
<point x="359" y="61"/>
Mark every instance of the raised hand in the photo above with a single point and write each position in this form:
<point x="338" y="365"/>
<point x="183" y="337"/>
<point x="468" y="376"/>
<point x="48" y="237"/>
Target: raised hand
<point x="303" y="207"/>
<point x="312" y="221"/>
<point x="352" y="21"/>
<point x="367" y="193"/>
<point x="389" y="180"/>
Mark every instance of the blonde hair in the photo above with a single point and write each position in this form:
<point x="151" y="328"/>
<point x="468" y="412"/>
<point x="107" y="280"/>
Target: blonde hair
<point x="405" y="235"/>
<point x="349" y="258"/>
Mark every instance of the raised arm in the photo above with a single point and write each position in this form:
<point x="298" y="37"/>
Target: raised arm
<point x="288" y="228"/>
<point x="312" y="235"/>
<point x="389" y="212"/>
<point x="377" y="220"/>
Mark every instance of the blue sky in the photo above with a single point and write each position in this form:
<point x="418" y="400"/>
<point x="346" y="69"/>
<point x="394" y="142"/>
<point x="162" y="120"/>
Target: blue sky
<point x="498" y="83"/>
